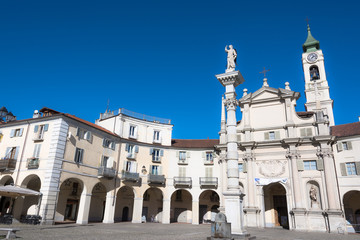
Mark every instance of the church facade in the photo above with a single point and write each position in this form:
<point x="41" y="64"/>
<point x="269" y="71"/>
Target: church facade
<point x="275" y="167"/>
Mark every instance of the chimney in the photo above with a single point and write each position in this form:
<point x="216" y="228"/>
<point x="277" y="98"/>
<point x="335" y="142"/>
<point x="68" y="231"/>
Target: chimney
<point x="36" y="114"/>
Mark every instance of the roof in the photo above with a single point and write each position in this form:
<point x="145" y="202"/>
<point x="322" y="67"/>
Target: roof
<point x="194" y="143"/>
<point x="346" y="130"/>
<point x="89" y="123"/>
<point x="311" y="44"/>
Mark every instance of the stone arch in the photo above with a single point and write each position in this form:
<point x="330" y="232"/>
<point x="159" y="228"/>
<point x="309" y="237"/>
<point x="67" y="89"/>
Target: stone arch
<point x="153" y="204"/>
<point x="313" y="194"/>
<point x="276" y="207"/>
<point x="181" y="206"/>
<point x="69" y="197"/>
<point x="351" y="200"/>
<point x="97" y="203"/>
<point x="5" y="202"/>
<point x="6" y="180"/>
<point x="207" y="200"/>
<point x="124" y="204"/>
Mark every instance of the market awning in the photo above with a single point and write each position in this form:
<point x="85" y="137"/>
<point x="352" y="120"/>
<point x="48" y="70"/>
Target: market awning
<point x="13" y="191"/>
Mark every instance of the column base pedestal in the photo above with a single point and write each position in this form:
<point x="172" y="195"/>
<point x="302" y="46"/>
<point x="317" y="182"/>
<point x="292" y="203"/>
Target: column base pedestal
<point x="252" y="216"/>
<point x="336" y="221"/>
<point x="234" y="212"/>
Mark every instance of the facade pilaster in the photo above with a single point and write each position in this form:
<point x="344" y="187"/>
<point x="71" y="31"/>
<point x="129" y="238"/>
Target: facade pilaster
<point x="109" y="208"/>
<point x="166" y="211"/>
<point x="195" y="212"/>
<point x="137" y="212"/>
<point x="84" y="208"/>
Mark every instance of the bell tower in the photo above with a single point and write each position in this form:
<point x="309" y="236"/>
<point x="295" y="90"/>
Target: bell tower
<point x="316" y="85"/>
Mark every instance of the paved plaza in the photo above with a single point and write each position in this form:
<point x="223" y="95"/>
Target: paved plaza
<point x="147" y="231"/>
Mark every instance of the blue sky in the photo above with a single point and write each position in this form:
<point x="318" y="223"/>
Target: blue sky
<point x="160" y="57"/>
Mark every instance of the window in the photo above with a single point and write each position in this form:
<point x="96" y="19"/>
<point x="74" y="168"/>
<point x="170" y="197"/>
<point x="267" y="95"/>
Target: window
<point x="104" y="161"/>
<point x="343" y="146"/>
<point x="209" y="158"/>
<point x="132" y="131"/>
<point x="107" y="143"/>
<point x="79" y="155"/>
<point x="178" y="195"/>
<point x="156" y="154"/>
<point x="182" y="155"/>
<point x="306" y="132"/>
<point x="36" y="153"/>
<point x="84" y="134"/>
<point x="39" y="131"/>
<point x="155" y="170"/>
<point x="240" y="166"/>
<point x="12" y="153"/>
<point x="310" y="165"/>
<point x="132" y="150"/>
<point x="130" y="166"/>
<point x="156" y="136"/>
<point x="16" y="132"/>
<point x="351" y="168"/>
<point x="272" y="135"/>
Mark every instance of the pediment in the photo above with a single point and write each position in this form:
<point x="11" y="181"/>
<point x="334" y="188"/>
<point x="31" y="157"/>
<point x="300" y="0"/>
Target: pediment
<point x="268" y="93"/>
<point x="265" y="95"/>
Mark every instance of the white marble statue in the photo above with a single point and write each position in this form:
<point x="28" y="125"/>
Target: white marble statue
<point x="313" y="197"/>
<point x="231" y="58"/>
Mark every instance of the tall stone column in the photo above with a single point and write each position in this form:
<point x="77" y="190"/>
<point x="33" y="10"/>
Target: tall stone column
<point x="84" y="208"/>
<point x="195" y="212"/>
<point x="109" y="212"/>
<point x="166" y="211"/>
<point x="137" y="212"/>
<point x="232" y="194"/>
<point x="293" y="156"/>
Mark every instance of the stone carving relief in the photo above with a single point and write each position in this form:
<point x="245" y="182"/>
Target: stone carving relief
<point x="271" y="168"/>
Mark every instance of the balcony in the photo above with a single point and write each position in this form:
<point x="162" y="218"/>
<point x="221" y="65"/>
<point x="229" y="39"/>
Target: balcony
<point x="130" y="176"/>
<point x="7" y="164"/>
<point x="183" y="161"/>
<point x="156" y="179"/>
<point x="182" y="181"/>
<point x="209" y="162"/>
<point x="208" y="181"/>
<point x="156" y="159"/>
<point x="33" y="163"/>
<point x="39" y="137"/>
<point x="106" y="172"/>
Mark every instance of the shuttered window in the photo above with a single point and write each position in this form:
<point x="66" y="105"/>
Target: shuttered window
<point x="36" y="153"/>
<point x="310" y="165"/>
<point x="182" y="171"/>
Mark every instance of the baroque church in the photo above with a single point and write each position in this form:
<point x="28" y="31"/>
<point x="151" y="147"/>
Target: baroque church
<point x="274" y="167"/>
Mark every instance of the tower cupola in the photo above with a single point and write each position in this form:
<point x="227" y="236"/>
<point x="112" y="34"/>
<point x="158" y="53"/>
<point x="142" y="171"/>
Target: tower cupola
<point x="311" y="44"/>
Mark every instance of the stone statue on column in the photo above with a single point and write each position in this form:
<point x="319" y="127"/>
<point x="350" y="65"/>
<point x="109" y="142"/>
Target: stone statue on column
<point x="231" y="58"/>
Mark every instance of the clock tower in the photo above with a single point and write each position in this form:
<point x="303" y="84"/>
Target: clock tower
<point x="316" y="85"/>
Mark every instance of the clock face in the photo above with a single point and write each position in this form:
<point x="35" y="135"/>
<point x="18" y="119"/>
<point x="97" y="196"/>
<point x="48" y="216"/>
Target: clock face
<point x="312" y="57"/>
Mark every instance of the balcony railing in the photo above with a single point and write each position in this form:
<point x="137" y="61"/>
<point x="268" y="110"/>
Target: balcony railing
<point x="209" y="162"/>
<point x="183" y="161"/>
<point x="106" y="172"/>
<point x="208" y="181"/>
<point x="33" y="163"/>
<point x="38" y="137"/>
<point x="130" y="176"/>
<point x="156" y="159"/>
<point x="7" y="164"/>
<point x="156" y="179"/>
<point x="182" y="181"/>
<point x="134" y="115"/>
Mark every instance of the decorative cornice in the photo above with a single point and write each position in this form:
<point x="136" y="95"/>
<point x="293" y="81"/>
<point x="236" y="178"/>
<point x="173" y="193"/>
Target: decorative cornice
<point x="321" y="153"/>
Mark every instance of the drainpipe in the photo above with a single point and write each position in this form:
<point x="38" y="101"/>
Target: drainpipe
<point x="22" y="153"/>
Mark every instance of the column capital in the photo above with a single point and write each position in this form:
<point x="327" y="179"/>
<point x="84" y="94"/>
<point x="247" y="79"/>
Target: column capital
<point x="248" y="157"/>
<point x="230" y="78"/>
<point x="231" y="104"/>
<point x="322" y="153"/>
<point x="292" y="154"/>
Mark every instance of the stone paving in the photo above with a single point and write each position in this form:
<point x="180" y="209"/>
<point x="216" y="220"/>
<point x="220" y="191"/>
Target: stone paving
<point x="147" y="231"/>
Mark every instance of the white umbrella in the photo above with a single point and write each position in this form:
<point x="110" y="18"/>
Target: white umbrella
<point x="13" y="191"/>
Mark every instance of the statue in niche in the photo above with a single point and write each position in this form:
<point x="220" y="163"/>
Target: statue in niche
<point x="313" y="197"/>
<point x="231" y="58"/>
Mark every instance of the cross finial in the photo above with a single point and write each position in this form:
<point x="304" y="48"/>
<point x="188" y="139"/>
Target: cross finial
<point x="264" y="71"/>
<point x="307" y="20"/>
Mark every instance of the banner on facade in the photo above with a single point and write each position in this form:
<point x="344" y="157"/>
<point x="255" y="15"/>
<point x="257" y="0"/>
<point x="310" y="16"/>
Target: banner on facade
<point x="266" y="181"/>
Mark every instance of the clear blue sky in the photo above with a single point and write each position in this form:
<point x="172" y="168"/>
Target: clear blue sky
<point x="160" y="57"/>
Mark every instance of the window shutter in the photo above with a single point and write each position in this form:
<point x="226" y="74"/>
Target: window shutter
<point x="112" y="144"/>
<point x="277" y="134"/>
<point x="133" y="167"/>
<point x="161" y="153"/>
<point x="89" y="136"/>
<point x="81" y="155"/>
<point x="7" y="153"/>
<point x="300" y="165"/>
<point x="343" y="169"/>
<point x="302" y="132"/>
<point x="159" y="170"/>
<point x="104" y="141"/>
<point x="320" y="164"/>
<point x="76" y="154"/>
<point x="136" y="132"/>
<point x="36" y="128"/>
<point x="136" y="148"/>
<point x="37" y="150"/>
<point x="245" y="167"/>
<point x="46" y="127"/>
<point x="177" y="154"/>
<point x="21" y="131"/>
<point x="127" y="147"/>
<point x="339" y="147"/>
<point x="78" y="132"/>
<point x="16" y="152"/>
<point x="12" y="133"/>
<point x="266" y="136"/>
<point x="349" y="145"/>
<point x="187" y="154"/>
<point x="151" y="151"/>
<point x="309" y="132"/>
<point x="357" y="166"/>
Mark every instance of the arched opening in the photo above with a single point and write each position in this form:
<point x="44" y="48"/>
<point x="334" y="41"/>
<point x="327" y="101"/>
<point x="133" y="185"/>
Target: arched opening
<point x="28" y="205"/>
<point x="181" y="206"/>
<point x="69" y="199"/>
<point x="152" y="205"/>
<point x="314" y="196"/>
<point x="124" y="204"/>
<point x="351" y="202"/>
<point x="5" y="202"/>
<point x="209" y="202"/>
<point x="97" y="203"/>
<point x="276" y="213"/>
<point x="314" y="73"/>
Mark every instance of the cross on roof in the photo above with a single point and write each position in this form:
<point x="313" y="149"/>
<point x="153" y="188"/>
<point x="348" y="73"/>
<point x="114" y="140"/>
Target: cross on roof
<point x="307" y="20"/>
<point x="264" y="71"/>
